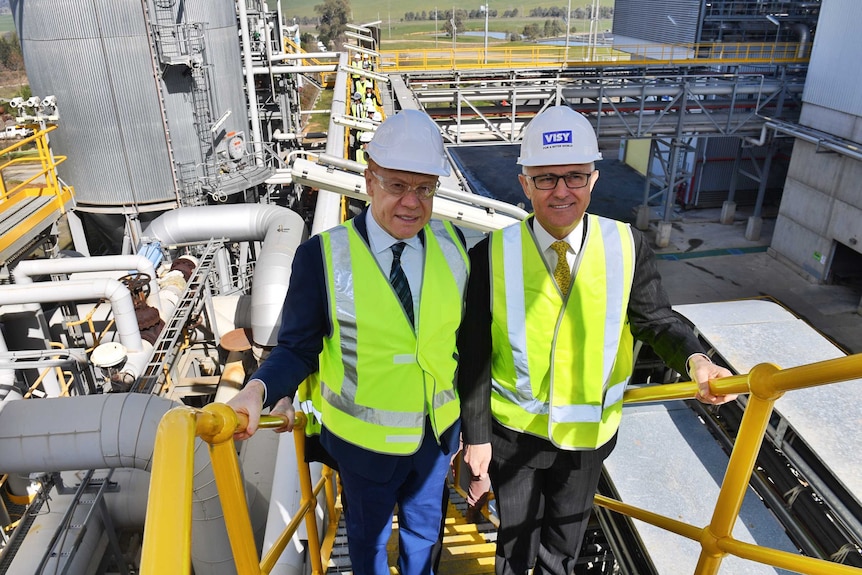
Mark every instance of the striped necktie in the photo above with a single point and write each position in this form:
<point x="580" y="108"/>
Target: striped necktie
<point x="399" y="281"/>
<point x="562" y="273"/>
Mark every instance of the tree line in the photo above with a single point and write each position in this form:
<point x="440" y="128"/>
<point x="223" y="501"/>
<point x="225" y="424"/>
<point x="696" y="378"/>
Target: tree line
<point x="580" y="13"/>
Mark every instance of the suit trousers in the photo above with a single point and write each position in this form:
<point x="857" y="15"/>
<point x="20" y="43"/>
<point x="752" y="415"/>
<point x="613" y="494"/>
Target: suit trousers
<point x="544" y="507"/>
<point x="415" y="487"/>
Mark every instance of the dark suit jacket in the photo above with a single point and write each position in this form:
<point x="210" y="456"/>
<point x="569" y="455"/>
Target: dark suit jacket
<point x="651" y="319"/>
<point x="305" y="322"/>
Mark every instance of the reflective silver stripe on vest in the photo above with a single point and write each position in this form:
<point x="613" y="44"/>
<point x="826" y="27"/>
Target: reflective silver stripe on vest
<point x="451" y="253"/>
<point x="614" y="315"/>
<point x="516" y="321"/>
<point x="614" y="318"/>
<point x="458" y="265"/>
<point x="371" y="415"/>
<point x="441" y="398"/>
<point x="342" y="273"/>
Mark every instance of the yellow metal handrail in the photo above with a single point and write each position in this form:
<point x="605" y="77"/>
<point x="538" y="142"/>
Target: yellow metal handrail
<point x="167" y="532"/>
<point x="536" y="56"/>
<point x="42" y="182"/>
<point x="764" y="384"/>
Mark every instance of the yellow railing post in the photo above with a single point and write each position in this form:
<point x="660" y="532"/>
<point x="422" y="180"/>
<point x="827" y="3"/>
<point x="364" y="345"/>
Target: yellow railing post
<point x="739" y="469"/>
<point x="216" y="426"/>
<point x="307" y="505"/>
<point x="167" y="545"/>
<point x="764" y="384"/>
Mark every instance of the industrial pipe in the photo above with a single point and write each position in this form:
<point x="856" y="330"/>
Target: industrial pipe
<point x="25" y="270"/>
<point x="265" y="70"/>
<point x="116" y="292"/>
<point x="111" y="431"/>
<point x="8" y="391"/>
<point x="281" y="229"/>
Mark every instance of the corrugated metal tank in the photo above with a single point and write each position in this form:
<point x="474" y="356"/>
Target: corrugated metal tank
<point x="97" y="58"/>
<point x="660" y="21"/>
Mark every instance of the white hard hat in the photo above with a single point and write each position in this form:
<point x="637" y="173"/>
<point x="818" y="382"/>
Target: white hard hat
<point x="559" y="136"/>
<point x="365" y="136"/>
<point x="357" y="57"/>
<point x="409" y="141"/>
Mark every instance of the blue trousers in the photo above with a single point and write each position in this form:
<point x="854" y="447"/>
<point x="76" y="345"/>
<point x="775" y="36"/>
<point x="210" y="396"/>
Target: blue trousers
<point x="415" y="487"/>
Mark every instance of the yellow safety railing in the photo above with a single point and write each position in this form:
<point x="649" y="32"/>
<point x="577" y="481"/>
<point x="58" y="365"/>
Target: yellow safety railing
<point x="326" y="79"/>
<point x="168" y="528"/>
<point x="167" y="533"/>
<point x="764" y="384"/>
<point x="536" y="56"/>
<point x="24" y="176"/>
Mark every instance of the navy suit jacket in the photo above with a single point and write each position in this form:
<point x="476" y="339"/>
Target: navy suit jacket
<point x="305" y="322"/>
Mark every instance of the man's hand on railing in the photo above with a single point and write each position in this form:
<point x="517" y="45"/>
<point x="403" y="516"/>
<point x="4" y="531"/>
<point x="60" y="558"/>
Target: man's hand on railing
<point x="249" y="402"/>
<point x="284" y="409"/>
<point x="702" y="370"/>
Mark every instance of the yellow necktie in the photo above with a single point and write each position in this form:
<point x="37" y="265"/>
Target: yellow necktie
<point x="562" y="273"/>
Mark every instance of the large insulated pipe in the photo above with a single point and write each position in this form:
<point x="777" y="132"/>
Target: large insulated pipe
<point x="25" y="270"/>
<point x="281" y="229"/>
<point x="116" y="292"/>
<point x="111" y="431"/>
<point x="327" y="210"/>
<point x="8" y="391"/>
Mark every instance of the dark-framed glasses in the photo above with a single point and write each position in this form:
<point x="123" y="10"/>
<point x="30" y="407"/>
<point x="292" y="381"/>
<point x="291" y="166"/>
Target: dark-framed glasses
<point x="573" y="180"/>
<point x="398" y="188"/>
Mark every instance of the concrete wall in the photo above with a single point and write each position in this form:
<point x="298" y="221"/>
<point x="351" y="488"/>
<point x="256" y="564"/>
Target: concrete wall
<point x="822" y="202"/>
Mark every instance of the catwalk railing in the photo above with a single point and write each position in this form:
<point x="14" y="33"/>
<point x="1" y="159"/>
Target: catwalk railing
<point x="537" y="56"/>
<point x="167" y="533"/>
<point x="30" y="192"/>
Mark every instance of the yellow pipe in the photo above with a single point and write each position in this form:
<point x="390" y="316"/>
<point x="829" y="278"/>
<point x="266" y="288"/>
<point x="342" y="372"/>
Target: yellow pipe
<point x="820" y="373"/>
<point x="686" y="390"/>
<point x="168" y="530"/>
<point x="689" y="531"/>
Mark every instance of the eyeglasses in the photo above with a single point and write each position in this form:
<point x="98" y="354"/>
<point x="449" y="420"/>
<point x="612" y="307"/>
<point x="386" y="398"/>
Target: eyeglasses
<point x="574" y="180"/>
<point x="423" y="192"/>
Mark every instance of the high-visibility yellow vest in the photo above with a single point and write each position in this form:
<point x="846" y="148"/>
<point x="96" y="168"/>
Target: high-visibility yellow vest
<point x="308" y="397"/>
<point x="559" y="364"/>
<point x="380" y="378"/>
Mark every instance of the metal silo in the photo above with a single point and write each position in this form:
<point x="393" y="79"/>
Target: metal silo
<point x="140" y="87"/>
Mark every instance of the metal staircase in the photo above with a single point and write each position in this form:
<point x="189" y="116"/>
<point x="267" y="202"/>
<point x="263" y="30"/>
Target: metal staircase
<point x="190" y="304"/>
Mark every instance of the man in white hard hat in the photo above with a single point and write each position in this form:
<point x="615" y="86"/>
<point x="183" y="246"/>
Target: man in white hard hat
<point x="373" y="306"/>
<point x="553" y="306"/>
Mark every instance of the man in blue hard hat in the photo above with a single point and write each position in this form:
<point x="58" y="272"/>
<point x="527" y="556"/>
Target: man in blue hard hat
<point x="374" y="306"/>
<point x="553" y="306"/>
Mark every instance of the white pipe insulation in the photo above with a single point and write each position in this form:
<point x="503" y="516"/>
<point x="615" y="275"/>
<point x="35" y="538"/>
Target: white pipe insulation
<point x="26" y="269"/>
<point x="111" y="431"/>
<point x="8" y="391"/>
<point x="281" y="229"/>
<point x="116" y="292"/>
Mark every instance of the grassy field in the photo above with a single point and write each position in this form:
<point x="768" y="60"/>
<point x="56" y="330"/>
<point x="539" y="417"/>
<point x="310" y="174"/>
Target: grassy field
<point x="6" y="23"/>
<point x="369" y="10"/>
